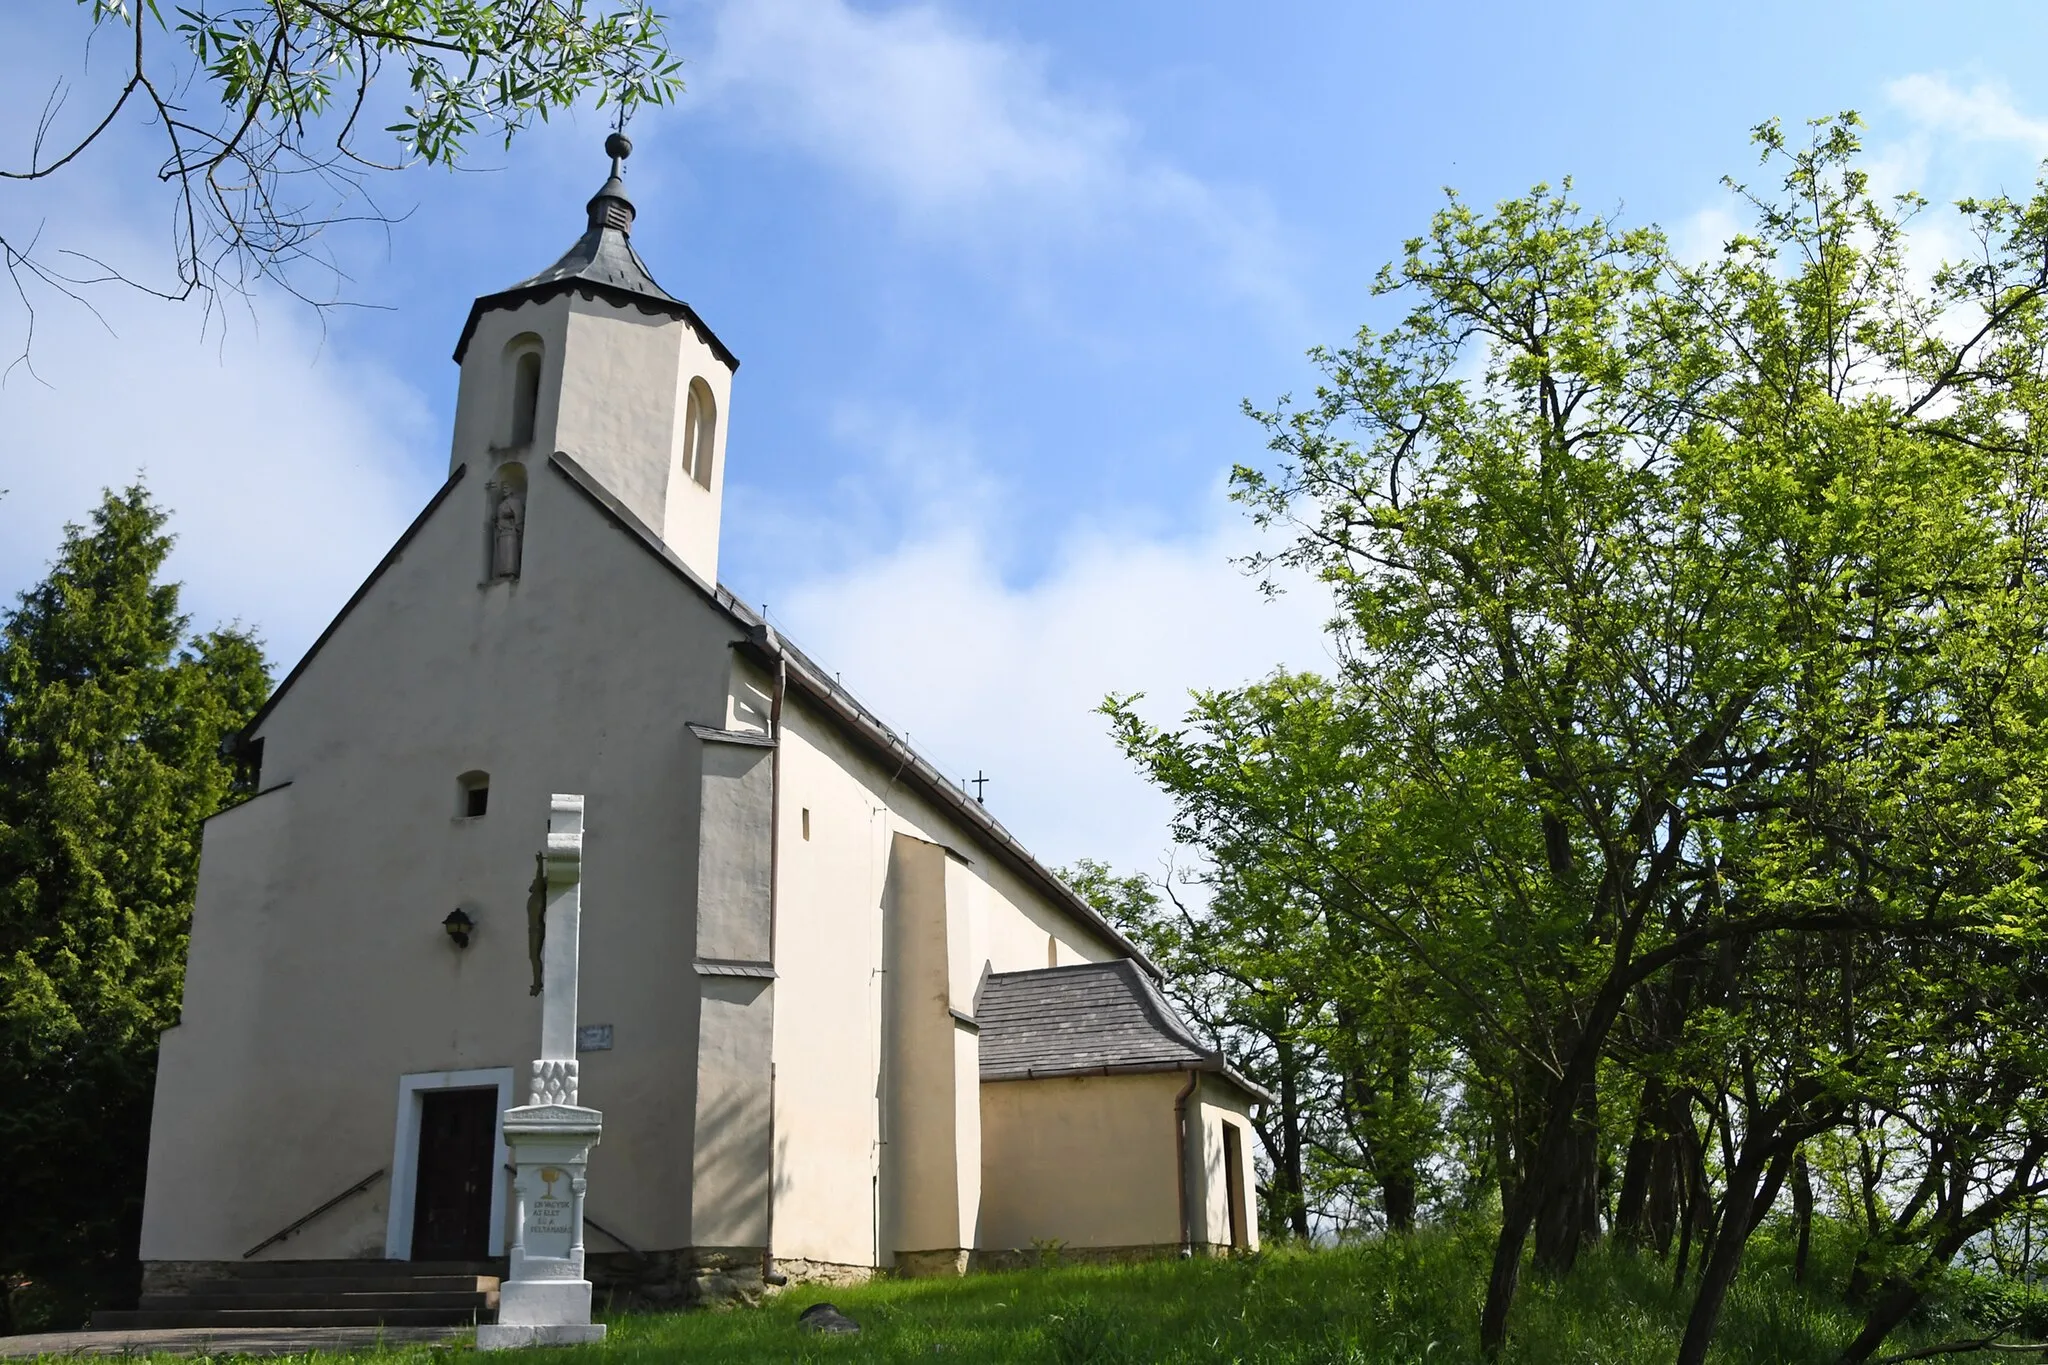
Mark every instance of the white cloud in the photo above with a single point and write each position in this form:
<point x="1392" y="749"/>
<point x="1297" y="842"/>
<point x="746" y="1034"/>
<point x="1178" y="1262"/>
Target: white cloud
<point x="1700" y="239"/>
<point x="942" y="117"/>
<point x="971" y="137"/>
<point x="991" y="676"/>
<point x="289" y="470"/>
<point x="1983" y="112"/>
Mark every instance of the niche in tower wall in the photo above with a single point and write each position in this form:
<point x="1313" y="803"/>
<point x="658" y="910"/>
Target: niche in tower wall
<point x="505" y="496"/>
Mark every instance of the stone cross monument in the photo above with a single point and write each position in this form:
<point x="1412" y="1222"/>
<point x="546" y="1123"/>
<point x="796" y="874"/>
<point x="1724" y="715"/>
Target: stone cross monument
<point x="546" y="1302"/>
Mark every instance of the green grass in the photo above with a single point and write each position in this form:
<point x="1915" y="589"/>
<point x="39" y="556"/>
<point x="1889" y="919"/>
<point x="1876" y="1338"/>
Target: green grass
<point x="1391" y="1302"/>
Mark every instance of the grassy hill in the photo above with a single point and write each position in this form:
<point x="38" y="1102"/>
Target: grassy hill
<point x="1392" y="1302"/>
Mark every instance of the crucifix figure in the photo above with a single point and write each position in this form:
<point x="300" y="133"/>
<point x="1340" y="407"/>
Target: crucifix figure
<point x="537" y="917"/>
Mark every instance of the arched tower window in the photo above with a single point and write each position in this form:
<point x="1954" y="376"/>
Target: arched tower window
<point x="700" y="432"/>
<point x="506" y="497"/>
<point x="525" y="354"/>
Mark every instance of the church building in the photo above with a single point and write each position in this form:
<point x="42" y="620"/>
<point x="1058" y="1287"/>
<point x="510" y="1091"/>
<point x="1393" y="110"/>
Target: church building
<point x="838" y="1021"/>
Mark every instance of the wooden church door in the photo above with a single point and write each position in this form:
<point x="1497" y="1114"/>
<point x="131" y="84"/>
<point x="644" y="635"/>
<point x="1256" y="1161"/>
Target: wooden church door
<point x="451" y="1210"/>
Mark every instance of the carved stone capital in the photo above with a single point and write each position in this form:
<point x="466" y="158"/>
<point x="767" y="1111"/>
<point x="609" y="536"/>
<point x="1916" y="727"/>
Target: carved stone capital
<point x="554" y="1081"/>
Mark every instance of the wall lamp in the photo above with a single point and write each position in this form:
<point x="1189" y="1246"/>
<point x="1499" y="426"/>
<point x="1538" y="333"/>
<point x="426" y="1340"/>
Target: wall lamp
<point x="458" y="924"/>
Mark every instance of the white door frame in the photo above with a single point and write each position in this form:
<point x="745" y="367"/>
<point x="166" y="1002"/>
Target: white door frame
<point x="405" y="1152"/>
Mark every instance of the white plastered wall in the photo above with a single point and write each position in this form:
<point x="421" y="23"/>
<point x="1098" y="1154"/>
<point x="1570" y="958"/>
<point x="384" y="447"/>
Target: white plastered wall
<point x="614" y="383"/>
<point x="1087" y="1161"/>
<point x="319" y="969"/>
<point x="1217" y="1102"/>
<point x="830" y="978"/>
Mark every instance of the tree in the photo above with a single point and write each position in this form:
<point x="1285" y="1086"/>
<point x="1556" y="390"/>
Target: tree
<point x="1280" y="954"/>
<point x="111" y="724"/>
<point x="262" y="108"/>
<point x="1693" y="623"/>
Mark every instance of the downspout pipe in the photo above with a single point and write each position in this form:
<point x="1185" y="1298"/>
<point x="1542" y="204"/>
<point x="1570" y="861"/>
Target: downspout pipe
<point x="769" y="1274"/>
<point x="1180" y="1126"/>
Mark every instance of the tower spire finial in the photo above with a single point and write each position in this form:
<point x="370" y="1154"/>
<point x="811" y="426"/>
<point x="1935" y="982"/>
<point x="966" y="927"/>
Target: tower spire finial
<point x="609" y="207"/>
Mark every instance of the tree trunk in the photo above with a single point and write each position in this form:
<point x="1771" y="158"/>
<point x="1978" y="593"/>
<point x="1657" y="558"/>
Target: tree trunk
<point x="1568" y="1217"/>
<point x="1507" y="1270"/>
<point x="1376" y="1112"/>
<point x="1398" y="1192"/>
<point x="1695" y="1205"/>
<point x="1741" y="1211"/>
<point x="1557" y="1172"/>
<point x="1896" y="1300"/>
<point x="1289" y="1175"/>
<point x="1802" y="1214"/>
<point x="1652" y="1195"/>
<point x="1900" y="1295"/>
<point x="1632" y="1205"/>
<point x="1395" y="1161"/>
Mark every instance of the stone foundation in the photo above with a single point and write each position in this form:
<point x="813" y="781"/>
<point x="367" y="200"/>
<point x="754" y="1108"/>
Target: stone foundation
<point x="695" y="1277"/>
<point x="913" y="1265"/>
<point x="687" y="1277"/>
<point x="834" y="1273"/>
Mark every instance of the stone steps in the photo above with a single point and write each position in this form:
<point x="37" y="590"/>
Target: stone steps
<point x="281" y="1288"/>
<point x="317" y="1294"/>
<point x="472" y="1299"/>
<point x="156" y="1319"/>
<point x="244" y="1272"/>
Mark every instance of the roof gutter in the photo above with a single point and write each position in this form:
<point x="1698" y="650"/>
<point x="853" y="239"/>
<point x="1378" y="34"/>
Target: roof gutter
<point x="1180" y="1159"/>
<point x="769" y="1275"/>
<point x="1214" y="1066"/>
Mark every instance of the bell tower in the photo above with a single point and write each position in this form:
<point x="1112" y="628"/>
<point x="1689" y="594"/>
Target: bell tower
<point x="594" y="359"/>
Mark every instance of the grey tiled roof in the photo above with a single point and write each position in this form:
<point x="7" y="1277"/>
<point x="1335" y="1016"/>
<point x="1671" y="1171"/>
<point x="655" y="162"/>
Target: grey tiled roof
<point x="601" y="263"/>
<point x="1095" y="1018"/>
<point x="602" y="255"/>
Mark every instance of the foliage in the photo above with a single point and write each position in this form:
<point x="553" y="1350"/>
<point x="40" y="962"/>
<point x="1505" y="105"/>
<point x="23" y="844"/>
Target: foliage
<point x="111" y="722"/>
<point x="1680" y="779"/>
<point x="273" y="150"/>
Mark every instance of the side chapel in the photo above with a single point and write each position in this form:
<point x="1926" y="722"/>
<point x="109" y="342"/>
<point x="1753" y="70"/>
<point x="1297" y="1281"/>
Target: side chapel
<point x="837" y="1019"/>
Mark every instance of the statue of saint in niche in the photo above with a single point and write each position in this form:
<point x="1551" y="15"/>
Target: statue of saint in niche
<point x="508" y="525"/>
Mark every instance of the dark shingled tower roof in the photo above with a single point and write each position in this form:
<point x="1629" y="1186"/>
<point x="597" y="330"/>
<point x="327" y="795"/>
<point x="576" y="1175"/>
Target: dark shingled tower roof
<point x="601" y="264"/>
<point x="604" y="253"/>
<point x="1091" y="1019"/>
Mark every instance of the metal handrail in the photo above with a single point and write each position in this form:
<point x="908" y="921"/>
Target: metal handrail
<point x="351" y="1191"/>
<point x="630" y="1248"/>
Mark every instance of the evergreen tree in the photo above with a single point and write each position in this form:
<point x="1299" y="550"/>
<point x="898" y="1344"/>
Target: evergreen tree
<point x="111" y="727"/>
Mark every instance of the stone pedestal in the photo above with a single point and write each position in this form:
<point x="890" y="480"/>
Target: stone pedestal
<point x="546" y="1300"/>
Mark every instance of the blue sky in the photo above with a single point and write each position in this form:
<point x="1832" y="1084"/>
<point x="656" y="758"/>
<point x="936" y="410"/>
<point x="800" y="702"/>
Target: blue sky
<point x="999" y="277"/>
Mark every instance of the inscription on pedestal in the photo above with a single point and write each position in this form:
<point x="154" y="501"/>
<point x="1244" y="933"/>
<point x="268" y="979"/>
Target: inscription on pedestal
<point x="550" y="1215"/>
